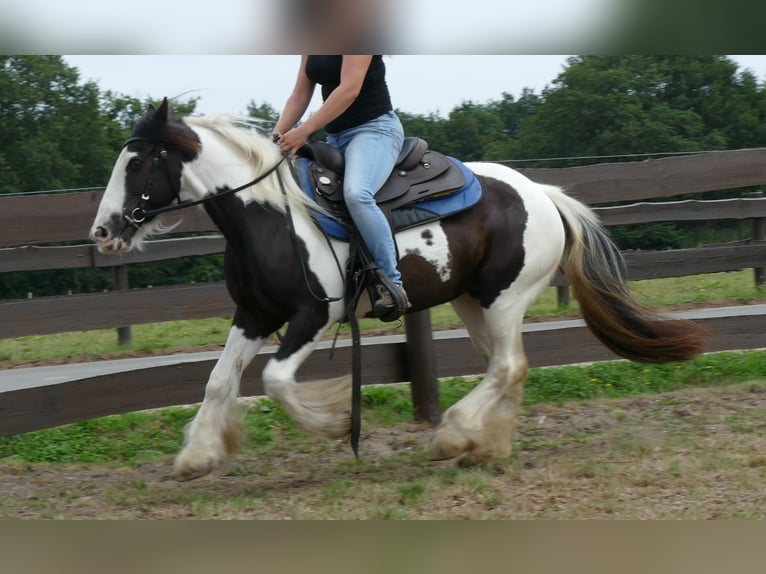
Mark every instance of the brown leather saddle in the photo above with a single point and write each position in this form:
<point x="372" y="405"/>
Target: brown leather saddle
<point x="419" y="174"/>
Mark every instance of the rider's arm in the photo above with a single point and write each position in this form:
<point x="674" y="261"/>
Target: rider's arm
<point x="298" y="102"/>
<point x="352" y="74"/>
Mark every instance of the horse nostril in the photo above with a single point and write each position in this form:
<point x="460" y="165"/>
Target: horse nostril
<point x="101" y="232"/>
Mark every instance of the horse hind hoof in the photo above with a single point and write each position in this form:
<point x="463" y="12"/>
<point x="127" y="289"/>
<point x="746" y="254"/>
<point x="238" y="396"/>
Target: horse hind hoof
<point x="448" y="444"/>
<point x="184" y="471"/>
<point x="476" y="459"/>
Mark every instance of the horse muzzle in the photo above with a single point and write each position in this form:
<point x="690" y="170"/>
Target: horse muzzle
<point x="112" y="236"/>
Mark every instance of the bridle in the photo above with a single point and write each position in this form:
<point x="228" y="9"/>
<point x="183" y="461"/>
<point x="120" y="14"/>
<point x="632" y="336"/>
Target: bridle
<point x="138" y="215"/>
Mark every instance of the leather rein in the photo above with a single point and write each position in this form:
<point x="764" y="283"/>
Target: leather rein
<point x="139" y="214"/>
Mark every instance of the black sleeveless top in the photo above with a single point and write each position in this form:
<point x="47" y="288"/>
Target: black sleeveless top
<point x="373" y="99"/>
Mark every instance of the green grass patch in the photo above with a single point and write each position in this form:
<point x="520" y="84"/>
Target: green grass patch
<point x="126" y="438"/>
<point x="612" y="379"/>
<point x="171" y="334"/>
<point x="137" y="437"/>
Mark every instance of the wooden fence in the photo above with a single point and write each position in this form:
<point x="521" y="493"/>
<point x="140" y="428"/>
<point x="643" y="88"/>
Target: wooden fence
<point x="28" y="225"/>
<point x="384" y="360"/>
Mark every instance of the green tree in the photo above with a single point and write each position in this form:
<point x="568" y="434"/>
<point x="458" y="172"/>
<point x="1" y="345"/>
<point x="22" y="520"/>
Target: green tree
<point x="621" y="105"/>
<point x="474" y="131"/>
<point x="609" y="105"/>
<point x="51" y="131"/>
<point x="429" y="127"/>
<point x="264" y="111"/>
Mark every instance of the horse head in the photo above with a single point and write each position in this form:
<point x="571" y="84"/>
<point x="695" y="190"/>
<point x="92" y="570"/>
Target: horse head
<point x="145" y="178"/>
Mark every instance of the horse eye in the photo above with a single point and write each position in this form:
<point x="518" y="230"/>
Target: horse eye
<point x="135" y="163"/>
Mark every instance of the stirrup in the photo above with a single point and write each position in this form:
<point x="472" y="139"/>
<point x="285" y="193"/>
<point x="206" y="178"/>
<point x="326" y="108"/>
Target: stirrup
<point x="398" y="304"/>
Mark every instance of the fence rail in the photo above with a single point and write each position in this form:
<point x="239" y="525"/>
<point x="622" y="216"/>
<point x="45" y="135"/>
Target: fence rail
<point x="384" y="360"/>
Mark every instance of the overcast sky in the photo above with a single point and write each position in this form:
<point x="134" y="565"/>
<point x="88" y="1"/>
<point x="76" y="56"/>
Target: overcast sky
<point x="418" y="84"/>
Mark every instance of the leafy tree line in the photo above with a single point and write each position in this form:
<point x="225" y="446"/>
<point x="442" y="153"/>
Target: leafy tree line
<point x="57" y="132"/>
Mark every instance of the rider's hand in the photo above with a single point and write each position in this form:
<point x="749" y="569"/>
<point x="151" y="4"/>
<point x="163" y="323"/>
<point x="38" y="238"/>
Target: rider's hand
<point x="292" y="140"/>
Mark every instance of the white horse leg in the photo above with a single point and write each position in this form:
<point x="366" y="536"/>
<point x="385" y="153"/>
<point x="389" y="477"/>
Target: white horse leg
<point x="471" y="314"/>
<point x="480" y="426"/>
<point x="214" y="433"/>
<point x="321" y="407"/>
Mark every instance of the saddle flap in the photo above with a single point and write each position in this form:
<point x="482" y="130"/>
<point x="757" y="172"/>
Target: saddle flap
<point x="430" y="167"/>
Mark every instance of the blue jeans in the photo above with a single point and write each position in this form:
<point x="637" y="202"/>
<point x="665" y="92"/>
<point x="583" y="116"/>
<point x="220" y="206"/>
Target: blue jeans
<point x="371" y="151"/>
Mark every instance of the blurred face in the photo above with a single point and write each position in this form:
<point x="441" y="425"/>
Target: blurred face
<point x="335" y="26"/>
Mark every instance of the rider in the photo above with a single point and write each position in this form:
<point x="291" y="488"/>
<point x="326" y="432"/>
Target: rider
<point x="359" y="119"/>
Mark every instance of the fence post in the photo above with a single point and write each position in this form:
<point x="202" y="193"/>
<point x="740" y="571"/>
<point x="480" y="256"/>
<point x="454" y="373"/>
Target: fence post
<point x="120" y="282"/>
<point x="422" y="367"/>
<point x="759" y="273"/>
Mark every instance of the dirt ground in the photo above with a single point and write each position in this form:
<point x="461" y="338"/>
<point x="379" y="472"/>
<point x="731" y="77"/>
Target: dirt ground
<point x="692" y="454"/>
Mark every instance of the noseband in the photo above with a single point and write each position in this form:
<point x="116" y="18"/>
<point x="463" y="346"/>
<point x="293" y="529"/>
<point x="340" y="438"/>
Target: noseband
<point x="139" y="214"/>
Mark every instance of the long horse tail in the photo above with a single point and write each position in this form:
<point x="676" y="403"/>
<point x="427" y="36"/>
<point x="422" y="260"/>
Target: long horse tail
<point x="596" y="272"/>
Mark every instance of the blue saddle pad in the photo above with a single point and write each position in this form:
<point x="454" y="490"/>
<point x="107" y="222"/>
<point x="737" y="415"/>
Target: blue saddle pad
<point x="406" y="216"/>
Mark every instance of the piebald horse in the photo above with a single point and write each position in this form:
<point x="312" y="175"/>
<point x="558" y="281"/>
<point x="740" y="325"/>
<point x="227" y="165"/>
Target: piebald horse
<point x="490" y="261"/>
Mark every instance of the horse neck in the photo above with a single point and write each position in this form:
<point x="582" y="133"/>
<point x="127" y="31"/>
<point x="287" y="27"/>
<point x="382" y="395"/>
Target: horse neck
<point x="218" y="167"/>
<point x="221" y="167"/>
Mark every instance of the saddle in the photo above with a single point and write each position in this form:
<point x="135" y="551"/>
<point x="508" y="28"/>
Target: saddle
<point x="421" y="178"/>
<point x="419" y="174"/>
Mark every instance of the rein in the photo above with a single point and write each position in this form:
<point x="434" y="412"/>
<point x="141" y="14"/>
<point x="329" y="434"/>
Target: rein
<point x="139" y="214"/>
<point x="227" y="193"/>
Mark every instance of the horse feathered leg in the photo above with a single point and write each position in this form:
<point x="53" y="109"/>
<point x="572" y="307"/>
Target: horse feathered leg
<point x="322" y="406"/>
<point x="215" y="432"/>
<point x="480" y="426"/>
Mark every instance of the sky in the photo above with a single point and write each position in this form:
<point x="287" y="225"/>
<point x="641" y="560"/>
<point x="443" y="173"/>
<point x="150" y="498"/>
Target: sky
<point x="267" y="26"/>
<point x="419" y="84"/>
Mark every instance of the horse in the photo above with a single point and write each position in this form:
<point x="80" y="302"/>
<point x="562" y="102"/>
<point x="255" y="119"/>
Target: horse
<point x="490" y="261"/>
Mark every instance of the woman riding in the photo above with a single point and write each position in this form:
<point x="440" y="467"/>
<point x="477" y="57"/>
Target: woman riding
<point x="359" y="119"/>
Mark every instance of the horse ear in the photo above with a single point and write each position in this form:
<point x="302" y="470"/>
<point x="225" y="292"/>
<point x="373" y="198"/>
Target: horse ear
<point x="162" y="112"/>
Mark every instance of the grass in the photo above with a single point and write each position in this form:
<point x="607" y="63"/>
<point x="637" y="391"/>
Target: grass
<point x="734" y="287"/>
<point x="625" y="447"/>
<point x="150" y="337"/>
<point x="133" y="438"/>
<point x="693" y="454"/>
